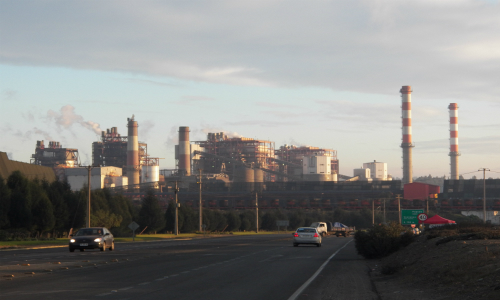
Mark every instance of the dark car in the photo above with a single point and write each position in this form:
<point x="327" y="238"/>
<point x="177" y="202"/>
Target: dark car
<point x="92" y="238"/>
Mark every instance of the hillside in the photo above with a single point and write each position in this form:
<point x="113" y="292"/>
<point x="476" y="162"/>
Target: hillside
<point x="445" y="264"/>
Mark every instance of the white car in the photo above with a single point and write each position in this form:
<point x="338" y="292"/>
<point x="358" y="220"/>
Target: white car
<point x="306" y="235"/>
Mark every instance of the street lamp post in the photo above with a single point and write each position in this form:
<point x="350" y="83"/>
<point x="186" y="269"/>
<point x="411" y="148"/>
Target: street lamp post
<point x="399" y="207"/>
<point x="200" y="208"/>
<point x="176" y="210"/>
<point x="88" y="210"/>
<point x="256" y="213"/>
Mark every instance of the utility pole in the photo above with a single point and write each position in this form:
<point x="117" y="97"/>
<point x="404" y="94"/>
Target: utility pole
<point x="176" y="210"/>
<point x="200" y="207"/>
<point x="384" y="212"/>
<point x="88" y="211"/>
<point x="427" y="205"/>
<point x="484" y="193"/>
<point x="256" y="212"/>
<point x="399" y="207"/>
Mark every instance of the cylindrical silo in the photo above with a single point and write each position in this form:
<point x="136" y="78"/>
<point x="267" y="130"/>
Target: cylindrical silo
<point x="258" y="179"/>
<point x="150" y="173"/>
<point x="243" y="178"/>
<point x="184" y="151"/>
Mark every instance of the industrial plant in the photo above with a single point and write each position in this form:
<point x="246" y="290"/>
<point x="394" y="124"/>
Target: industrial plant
<point x="235" y="172"/>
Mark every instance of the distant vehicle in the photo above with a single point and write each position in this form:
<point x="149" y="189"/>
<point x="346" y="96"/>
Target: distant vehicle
<point x="92" y="238"/>
<point x="321" y="227"/>
<point x="338" y="229"/>
<point x="306" y="235"/>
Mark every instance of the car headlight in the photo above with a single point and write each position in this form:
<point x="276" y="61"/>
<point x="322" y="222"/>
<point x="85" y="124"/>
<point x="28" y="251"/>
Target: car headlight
<point x="72" y="240"/>
<point x="98" y="240"/>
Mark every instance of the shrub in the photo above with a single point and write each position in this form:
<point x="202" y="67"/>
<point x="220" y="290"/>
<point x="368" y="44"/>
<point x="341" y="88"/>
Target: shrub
<point x="382" y="240"/>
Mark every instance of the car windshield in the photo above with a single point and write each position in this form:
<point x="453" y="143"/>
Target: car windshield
<point x="306" y="230"/>
<point x="89" y="231"/>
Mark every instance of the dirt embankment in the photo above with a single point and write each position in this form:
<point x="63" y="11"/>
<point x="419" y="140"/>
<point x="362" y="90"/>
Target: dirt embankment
<point x="463" y="266"/>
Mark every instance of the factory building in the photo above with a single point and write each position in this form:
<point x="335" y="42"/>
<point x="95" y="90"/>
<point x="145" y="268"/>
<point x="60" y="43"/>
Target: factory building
<point x="54" y="155"/>
<point x="318" y="168"/>
<point x="100" y="177"/>
<point x="220" y="154"/>
<point x="128" y="154"/>
<point x="363" y="174"/>
<point x="111" y="150"/>
<point x="378" y="170"/>
<point x="289" y="159"/>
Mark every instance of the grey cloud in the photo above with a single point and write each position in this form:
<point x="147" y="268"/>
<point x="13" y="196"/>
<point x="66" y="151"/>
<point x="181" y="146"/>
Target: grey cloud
<point x="444" y="49"/>
<point x="153" y="82"/>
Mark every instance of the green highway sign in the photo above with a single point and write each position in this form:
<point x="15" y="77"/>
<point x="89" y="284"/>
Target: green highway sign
<point x="409" y="216"/>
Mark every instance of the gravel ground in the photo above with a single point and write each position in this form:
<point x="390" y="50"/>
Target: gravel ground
<point x="461" y="269"/>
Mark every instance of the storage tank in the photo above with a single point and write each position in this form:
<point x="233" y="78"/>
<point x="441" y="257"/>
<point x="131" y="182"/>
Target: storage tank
<point x="258" y="179"/>
<point x="243" y="178"/>
<point x="150" y="174"/>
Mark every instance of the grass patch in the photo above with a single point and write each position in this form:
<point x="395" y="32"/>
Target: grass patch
<point x="139" y="238"/>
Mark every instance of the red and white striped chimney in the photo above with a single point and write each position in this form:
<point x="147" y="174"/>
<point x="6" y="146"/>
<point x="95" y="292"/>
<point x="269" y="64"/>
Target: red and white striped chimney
<point x="454" y="154"/>
<point x="133" y="165"/>
<point x="407" y="144"/>
<point x="184" y="151"/>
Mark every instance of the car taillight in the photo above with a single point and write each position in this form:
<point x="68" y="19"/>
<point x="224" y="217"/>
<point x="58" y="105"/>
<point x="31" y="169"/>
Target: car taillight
<point x="296" y="235"/>
<point x="316" y="235"/>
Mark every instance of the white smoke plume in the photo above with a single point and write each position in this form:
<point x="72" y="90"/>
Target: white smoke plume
<point x="66" y="117"/>
<point x="145" y="128"/>
<point x="230" y="134"/>
<point x="172" y="138"/>
<point x="45" y="134"/>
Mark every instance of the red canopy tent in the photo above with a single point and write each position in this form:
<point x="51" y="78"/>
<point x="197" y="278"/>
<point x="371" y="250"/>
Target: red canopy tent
<point x="437" y="219"/>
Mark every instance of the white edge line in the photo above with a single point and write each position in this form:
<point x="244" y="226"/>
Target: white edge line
<point x="308" y="282"/>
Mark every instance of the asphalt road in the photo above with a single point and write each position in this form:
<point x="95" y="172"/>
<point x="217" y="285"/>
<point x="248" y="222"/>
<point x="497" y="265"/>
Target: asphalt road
<point x="226" y="267"/>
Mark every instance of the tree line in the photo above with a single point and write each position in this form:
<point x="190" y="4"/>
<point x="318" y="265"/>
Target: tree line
<point x="36" y="208"/>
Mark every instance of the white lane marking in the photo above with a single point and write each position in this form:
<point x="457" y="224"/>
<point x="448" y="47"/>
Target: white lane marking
<point x="160" y="279"/>
<point x="185" y="272"/>
<point x="308" y="282"/>
<point x="174" y="275"/>
<point x="144" y="283"/>
<point x="126" y="288"/>
<point x="104" y="294"/>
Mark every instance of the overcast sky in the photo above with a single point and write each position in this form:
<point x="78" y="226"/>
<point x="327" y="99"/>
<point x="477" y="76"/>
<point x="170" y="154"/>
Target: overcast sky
<point x="317" y="73"/>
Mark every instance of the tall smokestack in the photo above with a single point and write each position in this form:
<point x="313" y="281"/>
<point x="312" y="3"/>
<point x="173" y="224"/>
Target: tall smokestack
<point x="133" y="166"/>
<point x="184" y="151"/>
<point x="407" y="144"/>
<point x="454" y="154"/>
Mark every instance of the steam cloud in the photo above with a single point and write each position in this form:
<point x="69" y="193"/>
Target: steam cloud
<point x="66" y="117"/>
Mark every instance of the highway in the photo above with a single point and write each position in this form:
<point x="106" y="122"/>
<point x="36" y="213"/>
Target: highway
<point x="225" y="267"/>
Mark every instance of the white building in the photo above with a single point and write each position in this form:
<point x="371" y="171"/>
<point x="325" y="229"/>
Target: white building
<point x="362" y="174"/>
<point x="317" y="168"/>
<point x="378" y="170"/>
<point x="100" y="177"/>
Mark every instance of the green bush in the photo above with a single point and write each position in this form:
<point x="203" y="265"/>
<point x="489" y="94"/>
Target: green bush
<point x="382" y="240"/>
